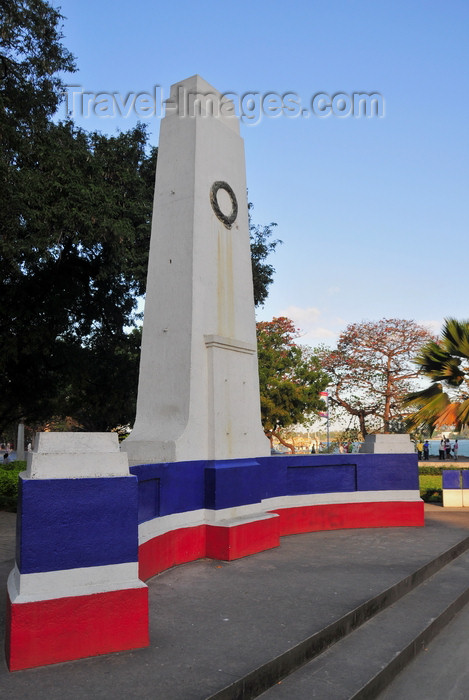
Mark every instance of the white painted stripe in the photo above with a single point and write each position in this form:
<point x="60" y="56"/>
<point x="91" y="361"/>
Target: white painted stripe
<point x="48" y="585"/>
<point x="168" y="523"/>
<point x="320" y="499"/>
<point x="243" y="520"/>
<point x="251" y="510"/>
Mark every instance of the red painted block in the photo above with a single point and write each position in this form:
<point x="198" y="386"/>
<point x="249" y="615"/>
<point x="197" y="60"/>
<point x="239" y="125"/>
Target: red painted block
<point x="238" y="541"/>
<point x="170" y="549"/>
<point x="63" y="629"/>
<point x="350" y="515"/>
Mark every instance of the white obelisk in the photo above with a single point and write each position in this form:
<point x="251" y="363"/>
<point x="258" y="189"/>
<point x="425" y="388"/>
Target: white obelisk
<point x="198" y="395"/>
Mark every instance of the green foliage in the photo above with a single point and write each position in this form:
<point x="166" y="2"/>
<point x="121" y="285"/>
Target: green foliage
<point x="73" y="269"/>
<point x="435" y="471"/>
<point x="9" y="485"/>
<point x="445" y="362"/>
<point x="430" y="487"/>
<point x="289" y="375"/>
<point x="432" y="495"/>
<point x="31" y="60"/>
<point x="102" y="389"/>
<point x="74" y="240"/>
<point x="261" y="247"/>
<point x="349" y="435"/>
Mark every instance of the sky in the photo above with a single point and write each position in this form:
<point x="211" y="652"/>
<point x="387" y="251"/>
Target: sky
<point x="372" y="210"/>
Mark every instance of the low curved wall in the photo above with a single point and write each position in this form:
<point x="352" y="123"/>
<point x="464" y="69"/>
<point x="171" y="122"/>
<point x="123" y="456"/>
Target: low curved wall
<point x="226" y="510"/>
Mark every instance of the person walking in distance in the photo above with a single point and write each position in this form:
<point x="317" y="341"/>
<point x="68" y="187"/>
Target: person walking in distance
<point x="441" y="451"/>
<point x="419" y="449"/>
<point x="448" y="448"/>
<point x="426" y="448"/>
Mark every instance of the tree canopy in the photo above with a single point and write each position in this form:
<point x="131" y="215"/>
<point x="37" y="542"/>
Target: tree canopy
<point x="74" y="267"/>
<point x="445" y="361"/>
<point x="74" y="238"/>
<point x="290" y="378"/>
<point x="32" y="57"/>
<point x="261" y="248"/>
<point x="371" y="370"/>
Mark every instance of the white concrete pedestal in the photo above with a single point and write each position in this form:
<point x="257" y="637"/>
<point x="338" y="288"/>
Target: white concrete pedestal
<point x="198" y="395"/>
<point x="392" y="443"/>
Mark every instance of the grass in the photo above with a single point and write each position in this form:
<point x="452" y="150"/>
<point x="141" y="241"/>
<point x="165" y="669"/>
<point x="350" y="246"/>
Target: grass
<point x="430" y="487"/>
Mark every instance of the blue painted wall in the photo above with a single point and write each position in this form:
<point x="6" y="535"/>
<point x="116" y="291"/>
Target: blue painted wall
<point x="68" y="523"/>
<point x="451" y="478"/>
<point x="184" y="486"/>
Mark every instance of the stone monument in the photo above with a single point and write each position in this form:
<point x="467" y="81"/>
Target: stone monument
<point x="198" y="394"/>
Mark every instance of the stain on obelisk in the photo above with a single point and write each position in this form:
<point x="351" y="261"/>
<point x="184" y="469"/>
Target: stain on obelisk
<point x="198" y="395"/>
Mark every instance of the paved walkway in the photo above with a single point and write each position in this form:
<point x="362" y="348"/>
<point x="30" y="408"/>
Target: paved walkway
<point x="433" y="461"/>
<point x="213" y="622"/>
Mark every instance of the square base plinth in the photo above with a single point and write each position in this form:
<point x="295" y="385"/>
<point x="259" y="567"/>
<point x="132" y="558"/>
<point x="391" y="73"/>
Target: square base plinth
<point x="452" y="498"/>
<point x="64" y="629"/>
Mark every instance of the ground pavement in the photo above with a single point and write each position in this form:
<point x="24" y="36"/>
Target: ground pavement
<point x="214" y="622"/>
<point x="433" y="461"/>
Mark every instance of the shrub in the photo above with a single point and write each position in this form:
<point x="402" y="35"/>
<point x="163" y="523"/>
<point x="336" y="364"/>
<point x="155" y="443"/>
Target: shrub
<point x="9" y="485"/>
<point x="432" y="495"/>
<point x="435" y="471"/>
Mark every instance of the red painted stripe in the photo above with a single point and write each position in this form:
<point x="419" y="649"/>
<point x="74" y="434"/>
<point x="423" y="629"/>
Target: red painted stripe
<point x="170" y="549"/>
<point x="230" y="543"/>
<point x="64" y="629"/>
<point x="350" y="515"/>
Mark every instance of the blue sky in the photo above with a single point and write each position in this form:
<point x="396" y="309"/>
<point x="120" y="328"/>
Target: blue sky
<point x="373" y="212"/>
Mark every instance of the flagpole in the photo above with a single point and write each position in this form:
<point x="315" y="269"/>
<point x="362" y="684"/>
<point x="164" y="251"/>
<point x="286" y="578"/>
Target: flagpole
<point x="324" y="395"/>
<point x="327" y="404"/>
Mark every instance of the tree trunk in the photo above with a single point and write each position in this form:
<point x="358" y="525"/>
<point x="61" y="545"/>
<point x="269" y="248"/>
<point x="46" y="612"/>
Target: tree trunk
<point x="290" y="446"/>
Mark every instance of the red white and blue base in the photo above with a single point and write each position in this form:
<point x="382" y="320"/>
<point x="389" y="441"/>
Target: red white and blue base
<point x="85" y="546"/>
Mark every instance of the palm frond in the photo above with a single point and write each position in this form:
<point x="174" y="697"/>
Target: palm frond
<point x="462" y="413"/>
<point x="420" y="398"/>
<point x="455" y="337"/>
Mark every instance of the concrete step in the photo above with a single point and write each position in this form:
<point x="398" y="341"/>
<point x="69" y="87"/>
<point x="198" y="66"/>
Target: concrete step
<point x="359" y="654"/>
<point x="362" y="664"/>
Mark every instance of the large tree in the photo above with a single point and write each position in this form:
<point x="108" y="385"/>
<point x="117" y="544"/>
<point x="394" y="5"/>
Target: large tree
<point x="290" y="378"/>
<point x="371" y="370"/>
<point x="445" y="362"/>
<point x="74" y="238"/>
<point x="74" y="268"/>
<point x="31" y="58"/>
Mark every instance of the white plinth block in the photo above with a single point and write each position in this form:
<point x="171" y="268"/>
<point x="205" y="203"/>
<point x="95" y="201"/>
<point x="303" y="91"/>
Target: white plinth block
<point x="392" y="443"/>
<point x="76" y="455"/>
<point x="452" y="498"/>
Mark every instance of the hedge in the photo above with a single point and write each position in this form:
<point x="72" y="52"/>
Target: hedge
<point x="9" y="484"/>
